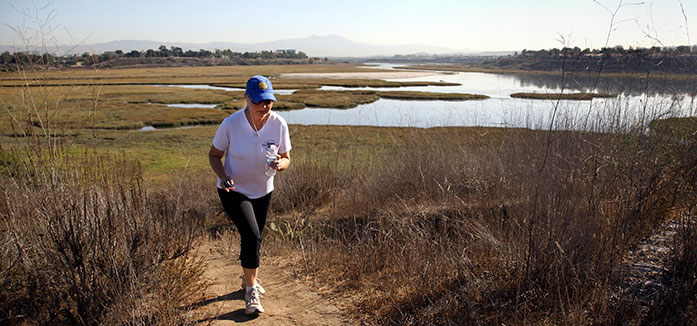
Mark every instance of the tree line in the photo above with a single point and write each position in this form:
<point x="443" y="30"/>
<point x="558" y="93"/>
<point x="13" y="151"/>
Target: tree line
<point x="10" y="61"/>
<point x="674" y="60"/>
<point x="655" y="51"/>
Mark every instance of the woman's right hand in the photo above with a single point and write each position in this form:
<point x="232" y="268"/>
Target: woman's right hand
<point x="228" y="184"/>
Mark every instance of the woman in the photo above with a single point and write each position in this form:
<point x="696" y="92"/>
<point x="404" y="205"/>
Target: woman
<point x="245" y="138"/>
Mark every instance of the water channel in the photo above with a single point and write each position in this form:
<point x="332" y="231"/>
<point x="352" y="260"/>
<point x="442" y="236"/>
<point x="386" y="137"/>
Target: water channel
<point x="638" y="102"/>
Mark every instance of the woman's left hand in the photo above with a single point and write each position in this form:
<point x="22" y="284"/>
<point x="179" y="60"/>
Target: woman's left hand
<point x="282" y="162"/>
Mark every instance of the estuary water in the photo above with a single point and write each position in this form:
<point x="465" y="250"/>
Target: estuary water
<point x="637" y="103"/>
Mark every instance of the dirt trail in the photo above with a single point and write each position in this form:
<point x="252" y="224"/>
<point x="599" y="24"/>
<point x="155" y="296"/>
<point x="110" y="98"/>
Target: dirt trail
<point x="287" y="300"/>
<point x="644" y="267"/>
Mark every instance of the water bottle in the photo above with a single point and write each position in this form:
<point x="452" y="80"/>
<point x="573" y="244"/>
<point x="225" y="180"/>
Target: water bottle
<point x="270" y="157"/>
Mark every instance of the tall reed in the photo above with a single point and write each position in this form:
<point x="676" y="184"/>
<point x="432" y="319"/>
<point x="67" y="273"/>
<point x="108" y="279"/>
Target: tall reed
<point x="502" y="226"/>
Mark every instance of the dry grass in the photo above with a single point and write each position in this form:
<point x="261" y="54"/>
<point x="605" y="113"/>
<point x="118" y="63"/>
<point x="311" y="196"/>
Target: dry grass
<point x="473" y="231"/>
<point x="492" y="226"/>
<point x="109" y="107"/>
<point x="236" y="75"/>
<point x="489" y="228"/>
<point x="86" y="243"/>
<point x="83" y="239"/>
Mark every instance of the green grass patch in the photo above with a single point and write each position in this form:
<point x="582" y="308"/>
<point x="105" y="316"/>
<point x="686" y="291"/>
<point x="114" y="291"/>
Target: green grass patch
<point x="563" y="96"/>
<point x="164" y="151"/>
<point x="330" y="99"/>
<point x="223" y="75"/>
<point x="351" y="99"/>
<point x="110" y="107"/>
<point x="427" y="96"/>
<point x="353" y="83"/>
<point x="675" y="127"/>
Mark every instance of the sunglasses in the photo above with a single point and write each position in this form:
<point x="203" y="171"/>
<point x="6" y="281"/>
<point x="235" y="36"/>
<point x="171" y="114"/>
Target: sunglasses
<point x="265" y="102"/>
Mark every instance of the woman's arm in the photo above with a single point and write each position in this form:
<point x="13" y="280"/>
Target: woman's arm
<point x="215" y="158"/>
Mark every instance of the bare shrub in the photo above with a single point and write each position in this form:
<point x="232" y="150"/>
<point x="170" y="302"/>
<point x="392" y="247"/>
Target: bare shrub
<point x="83" y="240"/>
<point x="84" y="243"/>
<point x="506" y="226"/>
<point x="308" y="187"/>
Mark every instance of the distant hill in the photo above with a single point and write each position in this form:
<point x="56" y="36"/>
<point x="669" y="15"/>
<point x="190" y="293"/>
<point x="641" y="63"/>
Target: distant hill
<point x="314" y="46"/>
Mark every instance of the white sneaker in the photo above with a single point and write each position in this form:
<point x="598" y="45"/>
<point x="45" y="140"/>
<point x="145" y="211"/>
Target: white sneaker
<point x="259" y="287"/>
<point x="252" y="301"/>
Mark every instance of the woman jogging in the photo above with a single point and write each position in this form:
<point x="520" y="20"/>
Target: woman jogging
<point x="245" y="177"/>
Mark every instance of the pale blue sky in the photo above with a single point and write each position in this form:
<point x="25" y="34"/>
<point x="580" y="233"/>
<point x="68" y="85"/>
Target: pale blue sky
<point x="459" y="24"/>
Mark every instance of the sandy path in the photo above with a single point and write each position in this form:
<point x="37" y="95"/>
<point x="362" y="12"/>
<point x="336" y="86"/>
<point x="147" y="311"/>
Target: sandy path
<point x="287" y="301"/>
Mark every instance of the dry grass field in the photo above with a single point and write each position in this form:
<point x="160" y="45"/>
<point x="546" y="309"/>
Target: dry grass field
<point x="134" y="98"/>
<point x="496" y="226"/>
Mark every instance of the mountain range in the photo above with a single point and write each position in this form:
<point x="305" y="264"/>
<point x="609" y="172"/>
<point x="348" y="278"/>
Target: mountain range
<point x="313" y="46"/>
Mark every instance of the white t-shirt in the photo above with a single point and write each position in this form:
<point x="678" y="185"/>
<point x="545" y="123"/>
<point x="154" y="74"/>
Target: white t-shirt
<point x="245" y="151"/>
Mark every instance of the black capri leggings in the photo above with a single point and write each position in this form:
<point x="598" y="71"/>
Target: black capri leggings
<point x="249" y="215"/>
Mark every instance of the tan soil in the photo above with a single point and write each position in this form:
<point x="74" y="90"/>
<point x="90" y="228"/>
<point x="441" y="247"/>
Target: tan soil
<point x="288" y="300"/>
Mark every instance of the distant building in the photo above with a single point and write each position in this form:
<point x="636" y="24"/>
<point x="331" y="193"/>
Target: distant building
<point x="288" y="51"/>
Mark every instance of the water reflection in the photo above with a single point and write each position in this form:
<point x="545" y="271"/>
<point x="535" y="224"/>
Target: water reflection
<point x="638" y="102"/>
<point x="613" y="85"/>
<point x="488" y="83"/>
<point x="604" y="114"/>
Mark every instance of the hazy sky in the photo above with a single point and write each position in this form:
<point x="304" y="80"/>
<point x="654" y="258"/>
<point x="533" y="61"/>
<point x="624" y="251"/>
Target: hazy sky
<point x="458" y="24"/>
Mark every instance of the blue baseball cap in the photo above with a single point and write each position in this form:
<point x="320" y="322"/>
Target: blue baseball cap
<point x="259" y="88"/>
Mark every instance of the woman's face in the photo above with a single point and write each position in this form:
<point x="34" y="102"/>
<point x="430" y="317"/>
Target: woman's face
<point x="259" y="110"/>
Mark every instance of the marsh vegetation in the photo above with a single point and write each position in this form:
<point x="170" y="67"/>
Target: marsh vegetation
<point x="562" y="96"/>
<point x="409" y="226"/>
